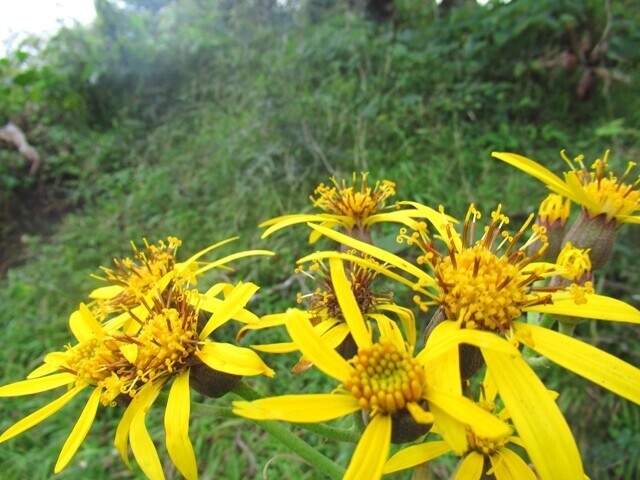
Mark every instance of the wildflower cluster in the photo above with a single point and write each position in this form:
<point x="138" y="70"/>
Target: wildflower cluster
<point x="453" y="371"/>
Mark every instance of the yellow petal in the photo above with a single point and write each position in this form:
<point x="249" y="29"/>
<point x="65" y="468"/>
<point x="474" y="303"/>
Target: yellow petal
<point x="372" y="450"/>
<point x="83" y="324"/>
<point x="143" y="448"/>
<point x="284" y="221"/>
<point x="284" y="347"/>
<point x="586" y="360"/>
<point x="465" y="411"/>
<point x="184" y="265"/>
<point x="211" y="304"/>
<point x="406" y="317"/>
<point x="419" y="414"/>
<point x="627" y="218"/>
<point x="235" y="301"/>
<point x="536" y="170"/>
<point x="439" y="220"/>
<point x="313" y="408"/>
<point x="598" y="307"/>
<point x="141" y="402"/>
<point x="389" y="330"/>
<point x="79" y="432"/>
<point x="40" y="415"/>
<point x="453" y="431"/>
<point x="416" y="455"/>
<point x="47" y="368"/>
<point x="228" y="358"/>
<point x="334" y="337"/>
<point x="507" y="465"/>
<point x="376" y="267"/>
<point x="470" y="467"/>
<point x="130" y="352"/>
<point x="375" y="252"/>
<point x="348" y="304"/>
<point x="176" y="425"/>
<point x="322" y="356"/>
<point x="537" y="419"/>
<point x="106" y="293"/>
<point x="36" y="385"/>
<point x="448" y="335"/>
<point x="267" y="321"/>
<point x="230" y="258"/>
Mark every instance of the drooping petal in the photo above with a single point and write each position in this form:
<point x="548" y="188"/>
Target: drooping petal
<point x="376" y="267"/>
<point x="40" y="415"/>
<point x="311" y="408"/>
<point x="79" y="432"/>
<point x="284" y="347"/>
<point x="143" y="448"/>
<point x="439" y="220"/>
<point x="37" y="385"/>
<point x="449" y="335"/>
<point x="470" y="467"/>
<point x="83" y="324"/>
<point x="416" y="455"/>
<point x="183" y="265"/>
<point x="211" y="304"/>
<point x="586" y="360"/>
<point x="230" y="258"/>
<point x="507" y="465"/>
<point x="348" y="304"/>
<point x="322" y="356"/>
<point x="235" y="301"/>
<point x="267" y="321"/>
<point x="372" y="450"/>
<point x="376" y="252"/>
<point x="47" y="368"/>
<point x="406" y="317"/>
<point x="228" y="358"/>
<point x="536" y="170"/>
<point x="597" y="307"/>
<point x="465" y="411"/>
<point x="176" y="425"/>
<point x="389" y="330"/>
<point x="536" y="416"/>
<point x="142" y="401"/>
<point x="419" y="414"/>
<point x="106" y="293"/>
<point x="452" y="430"/>
<point x="284" y="221"/>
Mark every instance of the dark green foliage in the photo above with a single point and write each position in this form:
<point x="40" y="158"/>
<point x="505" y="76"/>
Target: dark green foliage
<point x="202" y="118"/>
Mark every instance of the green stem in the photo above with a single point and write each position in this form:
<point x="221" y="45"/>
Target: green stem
<point x="289" y="439"/>
<point x="566" y="328"/>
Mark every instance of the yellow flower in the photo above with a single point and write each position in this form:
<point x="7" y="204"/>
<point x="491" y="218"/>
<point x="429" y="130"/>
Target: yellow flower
<point x="483" y="457"/>
<point x="352" y="207"/>
<point x="87" y="364"/>
<point x="597" y="189"/>
<point x="167" y="346"/>
<point x="487" y="285"/>
<point x="326" y="315"/>
<point x="607" y="201"/>
<point x="151" y="271"/>
<point x="382" y="379"/>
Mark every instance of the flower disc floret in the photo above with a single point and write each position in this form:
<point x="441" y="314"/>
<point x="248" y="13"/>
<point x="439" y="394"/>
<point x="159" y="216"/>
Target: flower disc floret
<point x="385" y="378"/>
<point x="89" y="360"/>
<point x="351" y="201"/>
<point x="482" y="289"/>
<point x="484" y="446"/>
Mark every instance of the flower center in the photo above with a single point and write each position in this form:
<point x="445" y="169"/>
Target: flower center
<point x="484" y="290"/>
<point x="357" y="204"/>
<point x="384" y="378"/>
<point x="613" y="195"/>
<point x="482" y="445"/>
<point x="89" y="360"/>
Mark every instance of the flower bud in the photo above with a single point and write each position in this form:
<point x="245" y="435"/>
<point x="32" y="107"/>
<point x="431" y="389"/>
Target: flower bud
<point x="596" y="234"/>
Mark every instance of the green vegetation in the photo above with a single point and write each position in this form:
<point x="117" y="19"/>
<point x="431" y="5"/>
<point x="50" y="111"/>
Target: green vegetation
<point x="200" y="119"/>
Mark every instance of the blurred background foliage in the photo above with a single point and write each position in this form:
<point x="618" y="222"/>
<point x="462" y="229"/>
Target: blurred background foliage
<point x="201" y="118"/>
